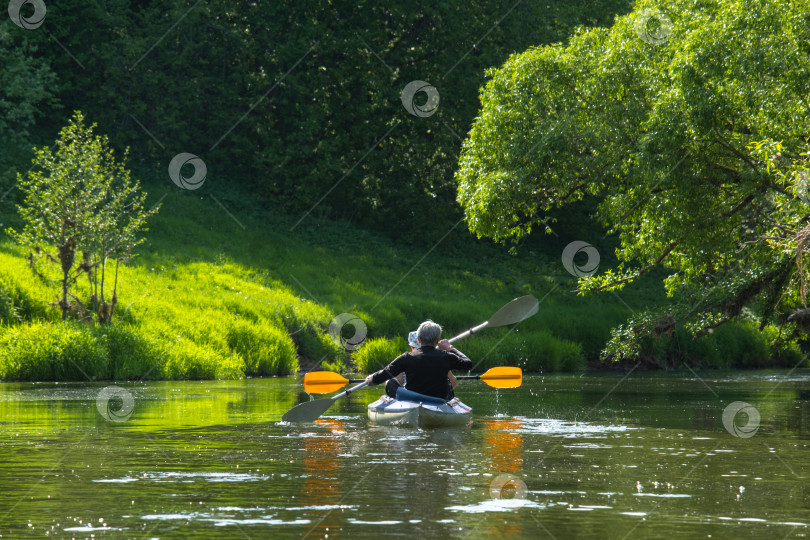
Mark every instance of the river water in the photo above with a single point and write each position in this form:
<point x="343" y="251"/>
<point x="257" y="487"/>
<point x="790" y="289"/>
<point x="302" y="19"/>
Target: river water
<point x="563" y="456"/>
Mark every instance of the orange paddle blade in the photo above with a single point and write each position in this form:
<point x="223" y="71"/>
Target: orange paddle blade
<point x="503" y="377"/>
<point x="324" y="377"/>
<point x="323" y="382"/>
<point x="322" y="388"/>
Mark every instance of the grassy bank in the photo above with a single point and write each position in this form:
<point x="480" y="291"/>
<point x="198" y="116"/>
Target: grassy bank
<point x="243" y="292"/>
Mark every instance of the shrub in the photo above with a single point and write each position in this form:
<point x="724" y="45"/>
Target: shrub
<point x="785" y="352"/>
<point x="531" y="351"/>
<point x="741" y="345"/>
<point x="187" y="360"/>
<point x="376" y="353"/>
<point x="265" y="349"/>
<point x="44" y="351"/>
<point x="131" y="354"/>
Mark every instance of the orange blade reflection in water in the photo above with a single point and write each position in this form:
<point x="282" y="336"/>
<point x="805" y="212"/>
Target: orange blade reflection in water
<point x="503" y="446"/>
<point x="322" y="469"/>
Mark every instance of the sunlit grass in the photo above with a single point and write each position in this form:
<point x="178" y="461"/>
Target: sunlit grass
<point x="206" y="298"/>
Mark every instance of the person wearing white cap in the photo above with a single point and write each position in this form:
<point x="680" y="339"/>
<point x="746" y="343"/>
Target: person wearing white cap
<point x="421" y="366"/>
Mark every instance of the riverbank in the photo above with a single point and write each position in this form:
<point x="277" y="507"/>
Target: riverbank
<point x="228" y="291"/>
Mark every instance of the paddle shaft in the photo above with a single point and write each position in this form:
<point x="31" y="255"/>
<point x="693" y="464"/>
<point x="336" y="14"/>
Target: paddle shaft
<point x="469" y="332"/>
<point x="350" y="390"/>
<point x="459" y="377"/>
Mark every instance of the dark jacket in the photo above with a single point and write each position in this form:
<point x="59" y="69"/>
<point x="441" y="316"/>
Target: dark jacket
<point x="425" y="369"/>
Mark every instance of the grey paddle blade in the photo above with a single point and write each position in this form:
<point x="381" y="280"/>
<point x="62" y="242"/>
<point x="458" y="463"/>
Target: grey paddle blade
<point x="309" y="411"/>
<point x="515" y="311"/>
<point x="312" y="410"/>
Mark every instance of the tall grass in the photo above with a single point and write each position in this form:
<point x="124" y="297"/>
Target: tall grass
<point x="737" y="344"/>
<point x="211" y="298"/>
<point x="376" y="353"/>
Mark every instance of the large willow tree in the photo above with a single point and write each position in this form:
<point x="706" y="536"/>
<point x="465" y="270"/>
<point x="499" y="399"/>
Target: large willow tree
<point x="688" y="121"/>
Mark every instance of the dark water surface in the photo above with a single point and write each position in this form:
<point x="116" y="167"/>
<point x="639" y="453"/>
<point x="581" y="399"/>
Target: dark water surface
<point x="595" y="456"/>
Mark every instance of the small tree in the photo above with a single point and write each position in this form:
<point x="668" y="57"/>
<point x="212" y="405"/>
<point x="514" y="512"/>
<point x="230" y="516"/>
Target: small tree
<point x="79" y="199"/>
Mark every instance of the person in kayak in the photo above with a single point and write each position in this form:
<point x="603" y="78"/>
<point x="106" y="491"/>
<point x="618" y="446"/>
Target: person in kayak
<point x="427" y="367"/>
<point x="394" y="383"/>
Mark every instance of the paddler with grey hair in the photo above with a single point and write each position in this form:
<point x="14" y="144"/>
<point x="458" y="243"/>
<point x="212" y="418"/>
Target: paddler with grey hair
<point x="427" y="367"/>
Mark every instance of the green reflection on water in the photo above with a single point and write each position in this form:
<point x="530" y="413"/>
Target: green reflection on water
<point x="586" y="456"/>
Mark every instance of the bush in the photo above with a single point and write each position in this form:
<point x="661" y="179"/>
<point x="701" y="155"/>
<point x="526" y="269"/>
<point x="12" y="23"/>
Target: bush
<point x="737" y="344"/>
<point x="741" y="345"/>
<point x="376" y="353"/>
<point x="187" y="360"/>
<point x="265" y="349"/>
<point x="131" y="355"/>
<point x="531" y="351"/>
<point x="44" y="351"/>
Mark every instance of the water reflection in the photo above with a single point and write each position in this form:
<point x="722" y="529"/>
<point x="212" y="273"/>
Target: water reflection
<point x="503" y="442"/>
<point x="323" y="456"/>
<point x="199" y="460"/>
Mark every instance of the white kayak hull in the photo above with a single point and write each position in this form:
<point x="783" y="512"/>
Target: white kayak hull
<point x="392" y="412"/>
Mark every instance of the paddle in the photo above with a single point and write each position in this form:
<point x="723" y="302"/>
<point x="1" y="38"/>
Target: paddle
<point x="324" y="382"/>
<point x="513" y="312"/>
<point x="309" y="411"/>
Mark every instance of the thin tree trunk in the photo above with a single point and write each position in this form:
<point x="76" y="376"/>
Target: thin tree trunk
<point x="114" y="299"/>
<point x="103" y="267"/>
<point x="66" y="253"/>
<point x="63" y="304"/>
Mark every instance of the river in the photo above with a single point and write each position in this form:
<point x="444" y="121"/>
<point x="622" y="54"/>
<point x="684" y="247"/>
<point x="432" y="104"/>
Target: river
<point x="563" y="456"/>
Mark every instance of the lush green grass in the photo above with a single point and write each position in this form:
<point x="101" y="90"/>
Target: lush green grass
<point x="739" y="344"/>
<point x="212" y="298"/>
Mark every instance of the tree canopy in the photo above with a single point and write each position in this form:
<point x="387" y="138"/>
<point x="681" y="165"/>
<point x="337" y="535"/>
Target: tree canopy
<point x="285" y="99"/>
<point x="687" y="121"/>
<point x="80" y="199"/>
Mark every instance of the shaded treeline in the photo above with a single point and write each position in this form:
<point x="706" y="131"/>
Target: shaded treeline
<point x="298" y="103"/>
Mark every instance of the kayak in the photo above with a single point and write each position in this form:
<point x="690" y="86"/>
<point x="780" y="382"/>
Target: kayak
<point x="387" y="411"/>
<point x="416" y="410"/>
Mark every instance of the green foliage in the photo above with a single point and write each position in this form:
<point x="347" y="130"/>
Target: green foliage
<point x="69" y="351"/>
<point x="132" y="355"/>
<point x="80" y="200"/>
<point x="51" y="352"/>
<point x="738" y="344"/>
<point x="309" y="107"/>
<point x="27" y="94"/>
<point x="186" y="359"/>
<point x="208" y="296"/>
<point x="533" y="351"/>
<point x="265" y="349"/>
<point x="376" y="353"/>
<point x="692" y="144"/>
<point x="21" y="294"/>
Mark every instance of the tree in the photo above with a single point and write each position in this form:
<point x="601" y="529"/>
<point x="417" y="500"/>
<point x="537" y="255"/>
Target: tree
<point x="80" y="199"/>
<point x="688" y="122"/>
<point x="288" y="118"/>
<point x="28" y="92"/>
